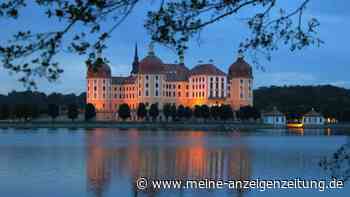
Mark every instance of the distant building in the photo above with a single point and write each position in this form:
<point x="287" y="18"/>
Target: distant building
<point x="152" y="81"/>
<point x="313" y="118"/>
<point x="274" y="117"/>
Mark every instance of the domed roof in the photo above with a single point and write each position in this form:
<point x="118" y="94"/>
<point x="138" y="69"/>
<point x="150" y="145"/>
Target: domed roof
<point x="99" y="69"/>
<point x="240" y="69"/>
<point x="206" y="69"/>
<point x="151" y="64"/>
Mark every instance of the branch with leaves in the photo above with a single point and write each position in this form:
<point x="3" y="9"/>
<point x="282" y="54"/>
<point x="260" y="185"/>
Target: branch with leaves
<point x="172" y="24"/>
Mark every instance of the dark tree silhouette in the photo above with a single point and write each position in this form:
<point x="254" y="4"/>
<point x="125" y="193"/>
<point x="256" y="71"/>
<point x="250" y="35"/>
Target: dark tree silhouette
<point x="167" y="111"/>
<point x="53" y="111"/>
<point x="180" y="113"/>
<point x="173" y="112"/>
<point x="226" y="112"/>
<point x="248" y="112"/>
<point x="141" y="111"/>
<point x="197" y="112"/>
<point x="154" y="111"/>
<point x="19" y="111"/>
<point x="90" y="112"/>
<point x="215" y="112"/>
<point x="82" y="29"/>
<point x="205" y="112"/>
<point x="124" y="111"/>
<point x="5" y="112"/>
<point x="188" y="113"/>
<point x="73" y="112"/>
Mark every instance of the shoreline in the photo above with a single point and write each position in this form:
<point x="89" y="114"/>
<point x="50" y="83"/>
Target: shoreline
<point x="225" y="126"/>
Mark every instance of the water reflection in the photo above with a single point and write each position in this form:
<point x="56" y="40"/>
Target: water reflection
<point x="195" y="159"/>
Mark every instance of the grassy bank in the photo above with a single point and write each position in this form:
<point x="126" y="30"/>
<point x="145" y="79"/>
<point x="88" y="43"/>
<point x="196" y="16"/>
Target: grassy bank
<point x="148" y="125"/>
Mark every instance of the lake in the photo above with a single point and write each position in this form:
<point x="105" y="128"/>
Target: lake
<point x="107" y="162"/>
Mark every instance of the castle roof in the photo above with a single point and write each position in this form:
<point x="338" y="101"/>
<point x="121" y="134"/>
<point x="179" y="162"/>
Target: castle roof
<point x="206" y="69"/>
<point x="240" y="69"/>
<point x="176" y="72"/>
<point x="313" y="113"/>
<point x="274" y="112"/>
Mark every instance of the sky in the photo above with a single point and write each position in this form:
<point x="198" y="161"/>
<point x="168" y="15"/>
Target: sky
<point x="328" y="64"/>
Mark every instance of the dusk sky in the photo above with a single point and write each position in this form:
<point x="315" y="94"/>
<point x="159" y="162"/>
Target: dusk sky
<point x="328" y="64"/>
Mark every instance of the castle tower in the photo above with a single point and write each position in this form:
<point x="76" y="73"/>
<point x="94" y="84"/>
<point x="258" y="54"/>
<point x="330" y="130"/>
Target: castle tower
<point x="240" y="87"/>
<point x="99" y="82"/>
<point x="135" y="63"/>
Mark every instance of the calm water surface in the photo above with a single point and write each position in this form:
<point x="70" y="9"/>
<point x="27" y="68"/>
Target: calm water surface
<point x="106" y="162"/>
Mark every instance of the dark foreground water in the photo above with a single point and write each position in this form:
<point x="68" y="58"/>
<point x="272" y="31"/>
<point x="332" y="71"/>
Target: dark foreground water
<point x="106" y="162"/>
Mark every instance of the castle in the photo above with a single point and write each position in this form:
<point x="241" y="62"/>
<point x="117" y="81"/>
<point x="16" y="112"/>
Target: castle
<point x="153" y="81"/>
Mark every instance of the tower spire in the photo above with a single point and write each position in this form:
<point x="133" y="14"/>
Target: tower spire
<point x="136" y="56"/>
<point x="135" y="63"/>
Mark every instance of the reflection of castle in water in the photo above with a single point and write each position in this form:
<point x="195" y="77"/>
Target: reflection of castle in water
<point x="107" y="165"/>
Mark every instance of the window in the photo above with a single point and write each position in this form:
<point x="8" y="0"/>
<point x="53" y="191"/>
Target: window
<point x="157" y="93"/>
<point x="156" y="85"/>
<point x="104" y="88"/>
<point x="146" y="92"/>
<point x="146" y="77"/>
<point x="179" y="86"/>
<point x="146" y="85"/>
<point x="156" y="77"/>
<point x="95" y="88"/>
<point x="187" y="87"/>
<point x="241" y="81"/>
<point x="187" y="95"/>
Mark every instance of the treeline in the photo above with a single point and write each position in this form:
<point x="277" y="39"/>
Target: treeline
<point x="31" y="105"/>
<point x="180" y="113"/>
<point x="331" y="101"/>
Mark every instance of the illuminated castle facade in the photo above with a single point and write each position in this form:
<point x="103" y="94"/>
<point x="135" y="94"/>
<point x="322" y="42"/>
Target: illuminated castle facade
<point x="153" y="81"/>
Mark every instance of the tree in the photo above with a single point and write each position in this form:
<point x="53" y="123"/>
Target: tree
<point x="141" y="111"/>
<point x="124" y="111"/>
<point x="188" y="113"/>
<point x="180" y="113"/>
<point x="248" y="112"/>
<point x="53" y="111"/>
<point x="167" y="111"/>
<point x="73" y="112"/>
<point x="90" y="112"/>
<point x="154" y="111"/>
<point x="215" y="112"/>
<point x="19" y="111"/>
<point x="82" y="29"/>
<point x="173" y="112"/>
<point x="205" y="112"/>
<point x="197" y="111"/>
<point x="5" y="112"/>
<point x="225" y="112"/>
